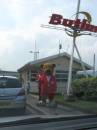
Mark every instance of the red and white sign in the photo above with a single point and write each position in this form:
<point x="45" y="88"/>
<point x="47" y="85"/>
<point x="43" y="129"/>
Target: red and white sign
<point x="84" y="25"/>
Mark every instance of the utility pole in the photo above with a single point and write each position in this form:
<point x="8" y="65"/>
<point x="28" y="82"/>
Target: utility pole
<point x="60" y="46"/>
<point x="94" y="65"/>
<point x="72" y="54"/>
<point x="36" y="53"/>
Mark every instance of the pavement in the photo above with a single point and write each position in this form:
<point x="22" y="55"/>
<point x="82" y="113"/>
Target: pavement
<point x="60" y="110"/>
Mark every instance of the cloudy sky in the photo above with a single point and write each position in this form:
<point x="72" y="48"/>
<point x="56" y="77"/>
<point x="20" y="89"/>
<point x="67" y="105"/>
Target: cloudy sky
<point x="20" y="22"/>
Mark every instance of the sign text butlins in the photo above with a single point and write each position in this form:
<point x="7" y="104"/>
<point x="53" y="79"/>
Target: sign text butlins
<point x="84" y="25"/>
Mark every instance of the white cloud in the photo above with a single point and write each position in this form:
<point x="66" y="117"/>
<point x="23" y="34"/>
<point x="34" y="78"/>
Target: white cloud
<point x="28" y="15"/>
<point x="5" y="43"/>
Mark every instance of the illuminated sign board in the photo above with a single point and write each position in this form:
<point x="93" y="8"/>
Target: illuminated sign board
<point x="84" y="24"/>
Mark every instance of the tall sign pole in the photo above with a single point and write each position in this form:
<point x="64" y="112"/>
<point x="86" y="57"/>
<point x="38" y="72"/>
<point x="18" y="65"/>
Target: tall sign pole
<point x="72" y="54"/>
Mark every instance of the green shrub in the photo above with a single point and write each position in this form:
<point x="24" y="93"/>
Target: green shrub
<point x="79" y="76"/>
<point x="85" y="88"/>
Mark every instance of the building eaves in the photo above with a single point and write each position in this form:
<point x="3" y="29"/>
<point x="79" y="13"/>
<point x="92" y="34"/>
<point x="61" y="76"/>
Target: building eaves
<point x="56" y="56"/>
<point x="39" y="61"/>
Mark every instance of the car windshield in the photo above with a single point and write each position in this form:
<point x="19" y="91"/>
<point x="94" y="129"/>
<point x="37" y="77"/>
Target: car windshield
<point x="9" y="83"/>
<point x="48" y="59"/>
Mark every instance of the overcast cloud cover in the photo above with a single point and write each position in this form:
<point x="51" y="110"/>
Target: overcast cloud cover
<point x="20" y="22"/>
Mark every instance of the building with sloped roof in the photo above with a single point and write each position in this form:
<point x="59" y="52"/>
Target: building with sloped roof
<point x="62" y="61"/>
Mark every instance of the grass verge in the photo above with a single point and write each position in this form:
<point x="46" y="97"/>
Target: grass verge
<point x="85" y="106"/>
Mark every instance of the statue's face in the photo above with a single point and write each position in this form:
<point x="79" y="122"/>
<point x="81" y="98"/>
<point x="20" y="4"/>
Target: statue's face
<point x="48" y="68"/>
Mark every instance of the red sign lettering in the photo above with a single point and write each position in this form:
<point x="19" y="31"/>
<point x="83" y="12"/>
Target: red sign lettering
<point x="57" y="19"/>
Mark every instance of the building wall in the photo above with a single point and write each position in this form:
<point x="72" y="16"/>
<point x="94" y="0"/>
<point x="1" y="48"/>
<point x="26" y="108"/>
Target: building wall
<point x="24" y="80"/>
<point x="61" y="87"/>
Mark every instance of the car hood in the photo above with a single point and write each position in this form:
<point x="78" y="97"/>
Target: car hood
<point x="21" y="120"/>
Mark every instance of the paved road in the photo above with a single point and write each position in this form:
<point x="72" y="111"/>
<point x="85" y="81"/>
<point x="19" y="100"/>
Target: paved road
<point x="59" y="110"/>
<point x="33" y="110"/>
<point x="10" y="113"/>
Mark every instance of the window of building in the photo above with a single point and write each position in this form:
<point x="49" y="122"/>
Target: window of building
<point x="62" y="76"/>
<point x="33" y="75"/>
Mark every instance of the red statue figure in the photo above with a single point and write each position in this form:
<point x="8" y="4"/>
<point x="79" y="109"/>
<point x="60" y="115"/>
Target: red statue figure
<point x="47" y="83"/>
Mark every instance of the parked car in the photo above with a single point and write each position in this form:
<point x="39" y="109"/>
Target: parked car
<point x="12" y="95"/>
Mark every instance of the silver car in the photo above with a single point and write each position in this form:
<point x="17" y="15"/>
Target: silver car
<point x="12" y="95"/>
